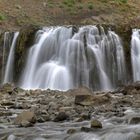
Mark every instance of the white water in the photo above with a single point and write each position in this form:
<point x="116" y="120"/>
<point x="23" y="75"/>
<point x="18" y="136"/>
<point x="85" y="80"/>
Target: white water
<point x="62" y="60"/>
<point x="135" y="54"/>
<point x="6" y="38"/>
<point x="8" y="76"/>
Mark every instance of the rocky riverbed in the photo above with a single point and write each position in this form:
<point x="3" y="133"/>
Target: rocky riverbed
<point x="78" y="114"/>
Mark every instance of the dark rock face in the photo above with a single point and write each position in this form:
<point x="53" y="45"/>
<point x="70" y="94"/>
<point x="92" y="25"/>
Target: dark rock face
<point x="24" y="42"/>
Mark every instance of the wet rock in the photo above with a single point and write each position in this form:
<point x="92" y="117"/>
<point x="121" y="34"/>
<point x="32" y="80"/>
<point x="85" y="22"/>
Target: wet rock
<point x="18" y="90"/>
<point x="119" y="114"/>
<point x="62" y="116"/>
<point x="136" y="104"/>
<point x="21" y="106"/>
<point x="7" y="103"/>
<point x="43" y="118"/>
<point x="87" y="129"/>
<point x="96" y="124"/>
<point x="63" y="109"/>
<point x="86" y="116"/>
<point x="80" y="91"/>
<point x="71" y="131"/>
<point x="83" y="117"/>
<point x="25" y="123"/>
<point x="134" y="120"/>
<point x="134" y="91"/>
<point x="4" y="120"/>
<point x="88" y="100"/>
<point x="85" y="100"/>
<point x="79" y="119"/>
<point x="137" y="138"/>
<point x="40" y="120"/>
<point x="74" y="29"/>
<point x="25" y="116"/>
<point x="5" y="113"/>
<point x="7" y="88"/>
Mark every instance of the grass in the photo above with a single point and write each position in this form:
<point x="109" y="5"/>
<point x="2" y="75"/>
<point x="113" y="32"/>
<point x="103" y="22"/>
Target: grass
<point x="90" y="6"/>
<point x="2" y="17"/>
<point x="121" y="1"/>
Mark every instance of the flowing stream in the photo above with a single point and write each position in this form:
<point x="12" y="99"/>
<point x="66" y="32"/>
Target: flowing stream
<point x="114" y="128"/>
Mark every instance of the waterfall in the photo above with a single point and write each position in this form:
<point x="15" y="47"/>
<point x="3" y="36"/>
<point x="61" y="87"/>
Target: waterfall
<point x="4" y="53"/>
<point x="61" y="59"/>
<point x="5" y="48"/>
<point x="135" y="54"/>
<point x="8" y="76"/>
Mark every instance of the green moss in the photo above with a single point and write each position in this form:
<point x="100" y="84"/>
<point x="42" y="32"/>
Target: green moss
<point x="80" y="6"/>
<point x="121" y="1"/>
<point x="90" y="6"/>
<point x="2" y="17"/>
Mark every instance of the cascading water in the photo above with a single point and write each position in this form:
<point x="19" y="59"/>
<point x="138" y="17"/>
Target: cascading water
<point x="5" y="48"/>
<point x="62" y="59"/>
<point x="3" y="52"/>
<point x="135" y="54"/>
<point x="8" y="76"/>
<point x="109" y="57"/>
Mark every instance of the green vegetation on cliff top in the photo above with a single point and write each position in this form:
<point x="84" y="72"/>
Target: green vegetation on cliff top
<point x="15" y="13"/>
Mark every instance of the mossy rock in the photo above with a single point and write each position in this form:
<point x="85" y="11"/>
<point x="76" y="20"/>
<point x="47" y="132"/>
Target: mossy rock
<point x="125" y="33"/>
<point x="24" y="42"/>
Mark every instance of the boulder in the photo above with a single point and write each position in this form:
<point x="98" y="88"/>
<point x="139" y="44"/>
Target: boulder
<point x="80" y="91"/>
<point x="134" y="120"/>
<point x="26" y="124"/>
<point x="71" y="131"/>
<point x="96" y="124"/>
<point x="62" y="116"/>
<point x="26" y="118"/>
<point x="85" y="100"/>
<point x="88" y="100"/>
